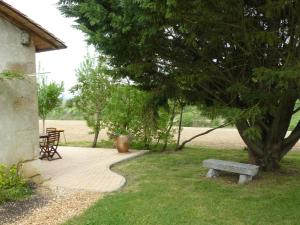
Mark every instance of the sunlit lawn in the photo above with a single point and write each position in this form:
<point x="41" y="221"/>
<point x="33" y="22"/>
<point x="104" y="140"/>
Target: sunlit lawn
<point x="171" y="189"/>
<point x="295" y="120"/>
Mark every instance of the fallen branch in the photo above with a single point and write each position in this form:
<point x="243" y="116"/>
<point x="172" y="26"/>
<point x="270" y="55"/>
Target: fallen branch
<point x="201" y="134"/>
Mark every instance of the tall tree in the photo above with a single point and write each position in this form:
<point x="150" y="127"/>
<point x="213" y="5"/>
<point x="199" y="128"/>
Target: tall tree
<point x="236" y="56"/>
<point x="48" y="97"/>
<point x="92" y="91"/>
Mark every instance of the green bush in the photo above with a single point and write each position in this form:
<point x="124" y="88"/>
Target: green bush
<point x="12" y="185"/>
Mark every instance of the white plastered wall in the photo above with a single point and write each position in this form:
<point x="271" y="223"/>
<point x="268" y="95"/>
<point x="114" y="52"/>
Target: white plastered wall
<point x="18" y="98"/>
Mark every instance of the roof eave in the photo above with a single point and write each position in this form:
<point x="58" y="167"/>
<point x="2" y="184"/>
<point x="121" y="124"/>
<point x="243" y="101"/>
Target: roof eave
<point x="25" y="23"/>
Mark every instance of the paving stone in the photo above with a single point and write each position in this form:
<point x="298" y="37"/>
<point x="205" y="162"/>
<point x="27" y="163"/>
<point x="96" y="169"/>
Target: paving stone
<point x="86" y="169"/>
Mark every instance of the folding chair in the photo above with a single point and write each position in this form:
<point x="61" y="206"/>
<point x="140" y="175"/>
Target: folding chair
<point x="49" y="148"/>
<point x="43" y="140"/>
<point x="50" y="129"/>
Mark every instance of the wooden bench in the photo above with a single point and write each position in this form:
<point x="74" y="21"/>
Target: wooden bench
<point x="246" y="171"/>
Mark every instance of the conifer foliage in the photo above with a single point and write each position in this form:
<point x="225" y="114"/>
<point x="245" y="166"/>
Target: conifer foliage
<point x="240" y="57"/>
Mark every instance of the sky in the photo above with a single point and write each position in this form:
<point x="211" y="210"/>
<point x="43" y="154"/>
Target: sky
<point x="61" y="64"/>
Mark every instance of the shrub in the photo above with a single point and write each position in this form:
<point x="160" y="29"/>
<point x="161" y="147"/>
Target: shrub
<point x="12" y="185"/>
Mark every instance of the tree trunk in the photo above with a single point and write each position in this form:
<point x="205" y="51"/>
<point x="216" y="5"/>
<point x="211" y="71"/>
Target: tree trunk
<point x="95" y="139"/>
<point x="44" y="127"/>
<point x="171" y="122"/>
<point x="146" y="142"/>
<point x="273" y="145"/>
<point x="97" y="130"/>
<point x="179" y="127"/>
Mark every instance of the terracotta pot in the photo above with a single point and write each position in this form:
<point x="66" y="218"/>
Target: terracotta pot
<point x="122" y="143"/>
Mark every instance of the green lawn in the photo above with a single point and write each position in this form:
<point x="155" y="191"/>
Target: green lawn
<point x="171" y="189"/>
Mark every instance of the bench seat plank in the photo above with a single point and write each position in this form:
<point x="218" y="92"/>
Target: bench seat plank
<point x="229" y="166"/>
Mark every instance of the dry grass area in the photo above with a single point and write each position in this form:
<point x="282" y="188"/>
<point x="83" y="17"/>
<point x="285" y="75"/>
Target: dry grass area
<point x="77" y="130"/>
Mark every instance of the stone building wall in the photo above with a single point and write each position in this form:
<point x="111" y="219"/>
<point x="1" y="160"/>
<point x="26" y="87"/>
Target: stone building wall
<point x="18" y="97"/>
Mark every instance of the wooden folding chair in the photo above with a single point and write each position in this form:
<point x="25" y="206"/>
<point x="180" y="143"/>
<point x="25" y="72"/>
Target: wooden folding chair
<point x="49" y="148"/>
<point x="50" y="129"/>
<point x="43" y="140"/>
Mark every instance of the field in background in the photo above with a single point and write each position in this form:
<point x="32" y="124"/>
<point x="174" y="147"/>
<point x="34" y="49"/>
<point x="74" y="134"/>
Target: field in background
<point x="77" y="131"/>
<point x="192" y="117"/>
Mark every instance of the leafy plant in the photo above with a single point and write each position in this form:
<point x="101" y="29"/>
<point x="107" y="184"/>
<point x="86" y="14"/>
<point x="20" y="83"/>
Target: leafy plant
<point x="48" y="97"/>
<point x="133" y="112"/>
<point x="12" y="185"/>
<point x="92" y="91"/>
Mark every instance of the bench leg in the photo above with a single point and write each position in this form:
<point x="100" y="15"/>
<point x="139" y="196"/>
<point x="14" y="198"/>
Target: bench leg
<point x="244" y="179"/>
<point x="212" y="173"/>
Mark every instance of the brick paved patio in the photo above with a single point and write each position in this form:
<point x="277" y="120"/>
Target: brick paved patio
<point x="86" y="169"/>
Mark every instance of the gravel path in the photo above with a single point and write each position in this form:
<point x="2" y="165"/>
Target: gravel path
<point x="47" y="207"/>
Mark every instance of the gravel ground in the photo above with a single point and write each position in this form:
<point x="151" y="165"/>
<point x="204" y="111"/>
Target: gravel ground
<point x="47" y="207"/>
<point x="12" y="211"/>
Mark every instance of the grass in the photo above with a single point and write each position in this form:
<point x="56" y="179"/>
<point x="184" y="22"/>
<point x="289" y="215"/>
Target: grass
<point x="295" y="120"/>
<point x="171" y="189"/>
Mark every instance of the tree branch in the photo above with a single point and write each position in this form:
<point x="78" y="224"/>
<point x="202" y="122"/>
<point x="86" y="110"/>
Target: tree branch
<point x="282" y="117"/>
<point x="263" y="125"/>
<point x="253" y="146"/>
<point x="201" y="134"/>
<point x="291" y="140"/>
<point x="296" y="110"/>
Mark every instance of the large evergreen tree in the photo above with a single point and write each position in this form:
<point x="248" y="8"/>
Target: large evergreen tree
<point x="237" y="55"/>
